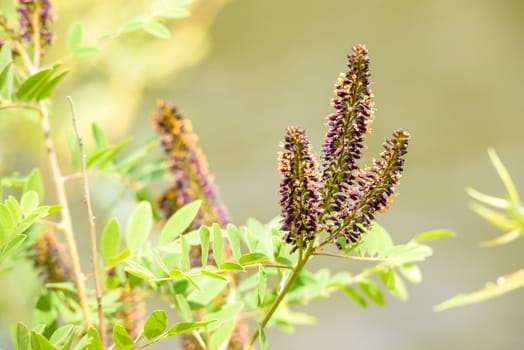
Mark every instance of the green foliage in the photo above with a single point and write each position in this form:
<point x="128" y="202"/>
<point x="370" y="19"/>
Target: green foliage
<point x="504" y="214"/>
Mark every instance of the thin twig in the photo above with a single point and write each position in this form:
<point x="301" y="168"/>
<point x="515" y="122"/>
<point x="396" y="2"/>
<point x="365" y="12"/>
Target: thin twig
<point x="65" y="213"/>
<point x="350" y="257"/>
<point x="92" y="227"/>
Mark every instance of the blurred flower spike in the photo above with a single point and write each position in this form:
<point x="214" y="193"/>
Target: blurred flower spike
<point x="188" y="167"/>
<point x="343" y="198"/>
<point x="34" y="20"/>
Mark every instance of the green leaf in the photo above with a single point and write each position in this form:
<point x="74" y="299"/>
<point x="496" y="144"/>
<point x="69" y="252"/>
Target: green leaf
<point x="210" y="289"/>
<point x="139" y="270"/>
<point x="399" y="289"/>
<point x="39" y="85"/>
<point x="22" y="337"/>
<point x="411" y="272"/>
<point x="133" y="24"/>
<point x="35" y="183"/>
<point x="504" y="176"/>
<point x="502" y="286"/>
<point x="139" y="226"/>
<point x="29" y="202"/>
<point x="353" y="294"/>
<point x="228" y="312"/>
<point x="74" y="37"/>
<point x="61" y="334"/>
<point x="495" y="202"/>
<point x="83" y="343"/>
<point x="183" y="307"/>
<point x="157" y="29"/>
<point x="121" y="338"/>
<point x="7" y="73"/>
<point x="179" y="221"/>
<point x="263" y="338"/>
<point x="85" y="51"/>
<point x="231" y="266"/>
<point x="120" y="257"/>
<point x="155" y="324"/>
<point x="12" y="245"/>
<point x="99" y="136"/>
<point x="213" y="275"/>
<point x="408" y="253"/>
<point x="110" y="240"/>
<point x="204" y="239"/>
<point x="432" y="235"/>
<point x="221" y="335"/>
<point x="218" y="244"/>
<point x="185" y="327"/>
<point x="186" y="254"/>
<point x="503" y="239"/>
<point x="252" y="258"/>
<point x="372" y="291"/>
<point x="262" y="285"/>
<point x="376" y="242"/>
<point x="495" y="218"/>
<point x="234" y="240"/>
<point x="39" y="342"/>
<point x="95" y="342"/>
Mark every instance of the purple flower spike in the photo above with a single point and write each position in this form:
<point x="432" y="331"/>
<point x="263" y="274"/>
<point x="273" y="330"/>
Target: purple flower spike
<point x="29" y="24"/>
<point x="299" y="189"/>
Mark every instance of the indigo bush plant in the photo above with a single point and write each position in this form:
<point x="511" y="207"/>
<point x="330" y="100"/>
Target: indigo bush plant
<point x="225" y="282"/>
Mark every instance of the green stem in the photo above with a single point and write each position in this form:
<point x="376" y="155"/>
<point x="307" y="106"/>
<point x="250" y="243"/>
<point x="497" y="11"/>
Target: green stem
<point x="303" y="259"/>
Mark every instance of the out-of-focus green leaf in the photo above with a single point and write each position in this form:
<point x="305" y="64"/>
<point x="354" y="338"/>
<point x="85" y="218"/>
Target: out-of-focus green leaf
<point x="221" y="335"/>
<point x="39" y="85"/>
<point x="99" y="136"/>
<point x="179" y="221"/>
<point x="213" y="275"/>
<point x="139" y="270"/>
<point x="432" y="235"/>
<point x="408" y="253"/>
<point x="186" y="254"/>
<point x="263" y="338"/>
<point x="495" y="202"/>
<point x="353" y="294"/>
<point x="22" y="337"/>
<point x="34" y="183"/>
<point x="411" y="272"/>
<point x="505" y="177"/>
<point x="399" y="289"/>
<point x="376" y="242"/>
<point x="262" y="238"/>
<point x="231" y="266"/>
<point x="372" y="291"/>
<point x="262" y="285"/>
<point x="39" y="342"/>
<point x="225" y="314"/>
<point x="121" y="338"/>
<point x="234" y="241"/>
<point x="6" y="72"/>
<point x="204" y="239"/>
<point x="210" y="289"/>
<point x="124" y="254"/>
<point x="185" y="327"/>
<point x="183" y="308"/>
<point x="157" y="29"/>
<point x="495" y="218"/>
<point x="503" y="239"/>
<point x="29" y="202"/>
<point x="85" y="51"/>
<point x="133" y="24"/>
<point x="74" y="37"/>
<point x="155" y="324"/>
<point x="94" y="337"/>
<point x="503" y="285"/>
<point x="139" y="226"/>
<point x="252" y="258"/>
<point x="61" y="334"/>
<point x="218" y="244"/>
<point x="110" y="240"/>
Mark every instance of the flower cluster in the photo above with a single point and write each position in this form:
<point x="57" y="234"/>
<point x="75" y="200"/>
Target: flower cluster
<point x="34" y="20"/>
<point x="50" y="258"/>
<point x="351" y="196"/>
<point x="188" y="167"/>
<point x="299" y="188"/>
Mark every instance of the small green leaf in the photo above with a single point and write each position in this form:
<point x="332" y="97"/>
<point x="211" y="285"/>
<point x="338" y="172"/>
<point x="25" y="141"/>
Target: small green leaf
<point x="218" y="245"/>
<point x="495" y="202"/>
<point x="504" y="176"/>
<point x="157" y="29"/>
<point x="408" y="253"/>
<point x="231" y="266"/>
<point x="110" y="240"/>
<point x="186" y="254"/>
<point x="120" y="257"/>
<point x="179" y="221"/>
<point x="61" y="334"/>
<point x="139" y="270"/>
<point x="121" y="338"/>
<point x="252" y="258"/>
<point x="74" y="37"/>
<point x="210" y="289"/>
<point x="99" y="136"/>
<point x="432" y="235"/>
<point x="183" y="307"/>
<point x="132" y="25"/>
<point x="497" y="219"/>
<point x="7" y="73"/>
<point x="139" y="226"/>
<point x="262" y="285"/>
<point x="411" y="272"/>
<point x="399" y="289"/>
<point x="94" y="337"/>
<point x="263" y="338"/>
<point x="234" y="240"/>
<point x="213" y="275"/>
<point x="37" y="84"/>
<point x="204" y="239"/>
<point x="22" y="337"/>
<point x="351" y="293"/>
<point x="506" y="238"/>
<point x="12" y="245"/>
<point x="39" y="342"/>
<point x="155" y="324"/>
<point x="372" y="291"/>
<point x="35" y="183"/>
<point x="29" y="202"/>
<point x="185" y="327"/>
<point x="222" y="334"/>
<point x="85" y="51"/>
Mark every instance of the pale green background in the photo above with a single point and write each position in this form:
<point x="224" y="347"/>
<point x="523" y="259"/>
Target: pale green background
<point x="450" y="72"/>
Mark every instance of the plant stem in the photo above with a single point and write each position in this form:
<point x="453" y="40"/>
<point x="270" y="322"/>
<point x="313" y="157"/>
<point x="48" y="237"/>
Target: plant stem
<point x="92" y="229"/>
<point x="65" y="213"/>
<point x="300" y="265"/>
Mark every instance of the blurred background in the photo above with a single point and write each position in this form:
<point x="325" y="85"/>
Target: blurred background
<point x="450" y="72"/>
